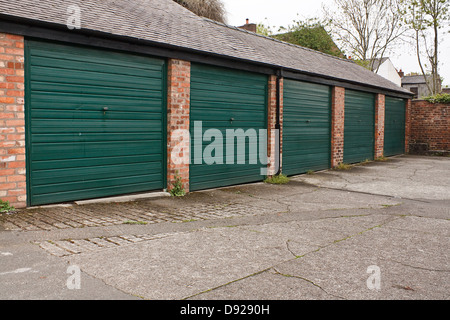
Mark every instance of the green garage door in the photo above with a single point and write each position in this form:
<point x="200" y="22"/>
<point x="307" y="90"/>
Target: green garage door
<point x="359" y="126"/>
<point x="94" y="123"/>
<point x="224" y="99"/>
<point x="394" y="126"/>
<point x="306" y="127"/>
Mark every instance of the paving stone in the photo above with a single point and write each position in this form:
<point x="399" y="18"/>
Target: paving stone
<point x="69" y="246"/>
<point x="54" y="249"/>
<point x="101" y="242"/>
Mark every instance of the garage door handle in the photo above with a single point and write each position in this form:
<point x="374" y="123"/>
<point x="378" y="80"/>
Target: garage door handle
<point x="105" y="109"/>
<point x="308" y="121"/>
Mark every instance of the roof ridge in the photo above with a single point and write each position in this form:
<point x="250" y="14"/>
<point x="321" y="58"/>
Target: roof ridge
<point x="275" y="40"/>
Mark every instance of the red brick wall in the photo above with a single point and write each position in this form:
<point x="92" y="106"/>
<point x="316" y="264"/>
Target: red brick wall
<point x="12" y="123"/>
<point x="281" y="120"/>
<point x="337" y="125"/>
<point x="379" y="125"/>
<point x="430" y="126"/>
<point x="407" y="124"/>
<point x="178" y="106"/>
<point x="272" y="120"/>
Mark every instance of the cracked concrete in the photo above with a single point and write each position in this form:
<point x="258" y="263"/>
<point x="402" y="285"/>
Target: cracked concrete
<point x="398" y="177"/>
<point x="314" y="238"/>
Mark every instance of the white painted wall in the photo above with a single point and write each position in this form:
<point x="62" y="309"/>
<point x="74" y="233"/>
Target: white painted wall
<point x="387" y="70"/>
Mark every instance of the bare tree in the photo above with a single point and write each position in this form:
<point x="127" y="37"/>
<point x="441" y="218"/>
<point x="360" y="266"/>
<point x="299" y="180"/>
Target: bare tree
<point x="425" y="18"/>
<point x="366" y="29"/>
<point x="211" y="9"/>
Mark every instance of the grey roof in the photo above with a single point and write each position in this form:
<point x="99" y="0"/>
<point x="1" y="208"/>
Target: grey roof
<point x="166" y="22"/>
<point x="413" y="79"/>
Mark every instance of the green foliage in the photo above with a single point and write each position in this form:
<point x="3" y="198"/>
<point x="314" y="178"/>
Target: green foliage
<point x="135" y="222"/>
<point x="5" y="207"/>
<point x="277" y="179"/>
<point x="439" y="98"/>
<point x="363" y="63"/>
<point x="264" y="30"/>
<point x="309" y="34"/>
<point x="423" y="14"/>
<point x="177" y="189"/>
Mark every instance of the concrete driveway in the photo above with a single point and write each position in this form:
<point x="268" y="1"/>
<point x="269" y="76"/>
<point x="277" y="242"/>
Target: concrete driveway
<point x="377" y="231"/>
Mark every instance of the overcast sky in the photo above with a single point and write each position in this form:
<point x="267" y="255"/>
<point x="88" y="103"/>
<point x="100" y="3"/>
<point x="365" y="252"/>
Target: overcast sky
<point x="283" y="12"/>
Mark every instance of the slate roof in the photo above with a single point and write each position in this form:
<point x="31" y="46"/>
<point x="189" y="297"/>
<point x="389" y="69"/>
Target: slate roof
<point x="166" y="22"/>
<point x="413" y="79"/>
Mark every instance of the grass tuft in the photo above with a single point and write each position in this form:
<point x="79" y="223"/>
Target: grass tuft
<point x="5" y="207"/>
<point x="277" y="179"/>
<point x="342" y="166"/>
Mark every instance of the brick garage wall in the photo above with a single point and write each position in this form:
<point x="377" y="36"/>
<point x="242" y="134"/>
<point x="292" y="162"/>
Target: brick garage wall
<point x="272" y="120"/>
<point x="12" y="121"/>
<point x="407" y="124"/>
<point x="379" y="125"/>
<point x="337" y="125"/>
<point x="178" y="106"/>
<point x="429" y="127"/>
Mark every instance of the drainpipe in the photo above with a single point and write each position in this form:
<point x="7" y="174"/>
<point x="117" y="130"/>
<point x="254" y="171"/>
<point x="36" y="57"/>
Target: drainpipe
<point x="277" y="121"/>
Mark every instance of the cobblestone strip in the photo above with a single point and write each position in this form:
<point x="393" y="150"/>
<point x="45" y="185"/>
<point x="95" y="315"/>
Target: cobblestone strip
<point x="84" y="216"/>
<point x="61" y="248"/>
<point x="53" y="219"/>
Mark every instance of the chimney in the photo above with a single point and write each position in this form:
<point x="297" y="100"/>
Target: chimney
<point x="401" y="73"/>
<point x="249" y="26"/>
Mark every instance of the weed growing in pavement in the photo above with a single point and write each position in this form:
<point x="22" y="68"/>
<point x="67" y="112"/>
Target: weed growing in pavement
<point x="342" y="166"/>
<point x="5" y="207"/>
<point x="134" y="222"/>
<point x="277" y="179"/>
<point x="177" y="189"/>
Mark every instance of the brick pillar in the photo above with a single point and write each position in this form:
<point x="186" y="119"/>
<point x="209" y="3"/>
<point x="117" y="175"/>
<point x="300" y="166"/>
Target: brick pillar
<point x="272" y="120"/>
<point x="337" y="125"/>
<point x="407" y="124"/>
<point x="178" y="106"/>
<point x="12" y="123"/>
<point x="379" y="125"/>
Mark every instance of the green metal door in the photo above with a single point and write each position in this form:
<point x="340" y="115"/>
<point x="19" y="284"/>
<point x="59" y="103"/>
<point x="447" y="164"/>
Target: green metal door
<point x="359" y="126"/>
<point x="94" y="123"/>
<point x="394" y="126"/>
<point x="306" y="127"/>
<point x="225" y="100"/>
